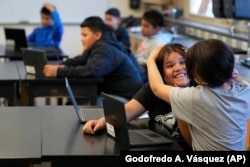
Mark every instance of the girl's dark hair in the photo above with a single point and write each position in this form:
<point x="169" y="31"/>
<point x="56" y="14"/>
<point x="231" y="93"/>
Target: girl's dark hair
<point x="95" y="24"/>
<point x="165" y="51"/>
<point x="212" y="60"/>
<point x="154" y="17"/>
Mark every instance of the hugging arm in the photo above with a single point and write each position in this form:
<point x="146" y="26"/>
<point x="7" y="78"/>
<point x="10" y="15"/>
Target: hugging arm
<point x="162" y="91"/>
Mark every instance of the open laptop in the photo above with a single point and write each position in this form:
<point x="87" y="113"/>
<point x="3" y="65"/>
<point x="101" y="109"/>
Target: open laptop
<point x="34" y="61"/>
<point x="116" y="125"/>
<point x="19" y="37"/>
<point x="20" y="40"/>
<point x="84" y="114"/>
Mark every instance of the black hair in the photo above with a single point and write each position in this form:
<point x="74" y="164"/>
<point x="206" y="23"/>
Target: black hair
<point x="45" y="11"/>
<point x="212" y="60"/>
<point x="165" y="51"/>
<point x="113" y="12"/>
<point x="95" y="24"/>
<point x="155" y="17"/>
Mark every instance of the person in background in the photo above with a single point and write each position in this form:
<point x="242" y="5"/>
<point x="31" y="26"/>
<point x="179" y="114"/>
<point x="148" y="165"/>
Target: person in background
<point x="51" y="31"/>
<point x="151" y="28"/>
<point x="217" y="110"/>
<point x="103" y="57"/>
<point x="113" y="19"/>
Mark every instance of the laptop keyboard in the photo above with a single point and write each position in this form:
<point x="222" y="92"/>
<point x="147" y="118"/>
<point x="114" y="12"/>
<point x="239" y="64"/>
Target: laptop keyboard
<point x="138" y="138"/>
<point x="92" y="113"/>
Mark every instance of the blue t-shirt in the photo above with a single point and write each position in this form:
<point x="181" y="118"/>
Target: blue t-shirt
<point x="48" y="36"/>
<point x="217" y="118"/>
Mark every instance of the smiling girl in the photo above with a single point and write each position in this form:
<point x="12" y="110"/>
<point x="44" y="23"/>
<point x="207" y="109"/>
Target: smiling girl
<point x="217" y="109"/>
<point x="171" y="65"/>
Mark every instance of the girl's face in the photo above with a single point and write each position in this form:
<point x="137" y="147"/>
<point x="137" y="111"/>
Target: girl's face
<point x="175" y="70"/>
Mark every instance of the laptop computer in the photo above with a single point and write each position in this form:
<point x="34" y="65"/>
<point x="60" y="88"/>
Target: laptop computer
<point x="116" y="125"/>
<point x="84" y="114"/>
<point x="34" y="61"/>
<point x="19" y="37"/>
<point x="20" y="40"/>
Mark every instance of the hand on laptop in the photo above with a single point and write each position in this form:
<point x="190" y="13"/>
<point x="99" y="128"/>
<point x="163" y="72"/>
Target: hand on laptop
<point x="51" y="70"/>
<point x="92" y="126"/>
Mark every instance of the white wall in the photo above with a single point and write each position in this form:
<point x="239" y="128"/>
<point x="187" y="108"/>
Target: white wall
<point x="123" y="6"/>
<point x="73" y="11"/>
<point x="220" y="22"/>
<point x="71" y="43"/>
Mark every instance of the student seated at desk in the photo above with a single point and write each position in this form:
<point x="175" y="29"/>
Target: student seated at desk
<point x="103" y="57"/>
<point x="216" y="110"/>
<point x="112" y="18"/>
<point x="51" y="31"/>
<point x="172" y="66"/>
<point x="151" y="28"/>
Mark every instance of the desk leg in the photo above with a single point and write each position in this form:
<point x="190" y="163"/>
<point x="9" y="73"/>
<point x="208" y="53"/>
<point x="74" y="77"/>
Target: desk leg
<point x="60" y="101"/>
<point x="11" y="96"/>
<point x="47" y="100"/>
<point x="24" y="95"/>
<point x="31" y="99"/>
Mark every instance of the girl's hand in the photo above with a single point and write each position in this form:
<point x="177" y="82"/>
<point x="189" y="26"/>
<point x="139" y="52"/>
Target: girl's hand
<point x="155" y="53"/>
<point x="234" y="78"/>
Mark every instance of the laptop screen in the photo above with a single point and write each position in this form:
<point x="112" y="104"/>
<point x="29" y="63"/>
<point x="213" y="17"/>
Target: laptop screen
<point x="72" y="97"/>
<point x="34" y="61"/>
<point x="18" y="35"/>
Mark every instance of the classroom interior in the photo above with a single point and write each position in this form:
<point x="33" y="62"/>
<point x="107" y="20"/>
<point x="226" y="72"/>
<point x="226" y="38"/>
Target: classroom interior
<point x="188" y="20"/>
